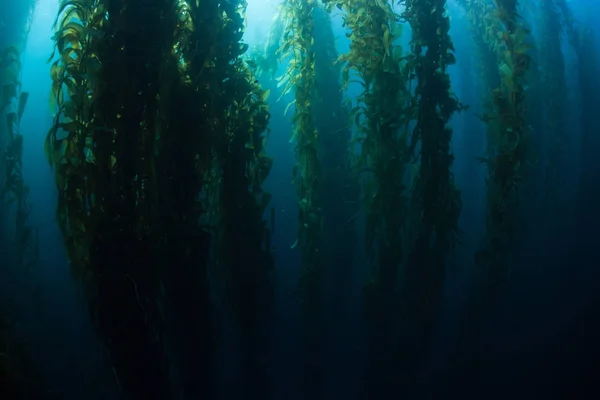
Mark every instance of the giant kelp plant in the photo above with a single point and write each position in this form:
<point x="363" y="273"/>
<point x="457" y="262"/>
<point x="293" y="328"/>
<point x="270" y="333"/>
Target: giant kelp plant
<point x="503" y="37"/>
<point x="297" y="46"/>
<point x="382" y="113"/>
<point x="150" y="96"/>
<point x="103" y="146"/>
<point x="235" y="118"/>
<point x="507" y="148"/>
<point x="243" y="251"/>
<point x="18" y="239"/>
<point x="19" y="246"/>
<point x="435" y="199"/>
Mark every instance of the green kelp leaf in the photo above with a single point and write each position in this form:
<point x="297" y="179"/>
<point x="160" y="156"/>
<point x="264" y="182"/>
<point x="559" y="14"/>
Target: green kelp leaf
<point x="505" y="69"/>
<point x="266" y="94"/>
<point x="288" y="107"/>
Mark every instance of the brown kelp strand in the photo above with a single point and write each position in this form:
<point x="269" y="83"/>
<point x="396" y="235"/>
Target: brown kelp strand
<point x="507" y="156"/>
<point x="20" y="238"/>
<point x="435" y="199"/>
<point x="159" y="154"/>
<point x="111" y="135"/>
<point x="242" y="260"/>
<point x="187" y="129"/>
<point x="381" y="114"/>
<point x="245" y="256"/>
<point x="297" y="49"/>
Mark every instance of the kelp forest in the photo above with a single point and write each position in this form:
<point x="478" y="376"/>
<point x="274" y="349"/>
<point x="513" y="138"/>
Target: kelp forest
<point x="299" y="199"/>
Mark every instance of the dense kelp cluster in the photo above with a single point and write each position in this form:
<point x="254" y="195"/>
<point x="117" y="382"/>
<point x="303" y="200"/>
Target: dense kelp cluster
<point x="436" y="201"/>
<point x="158" y="124"/>
<point x="300" y="76"/>
<point x="19" y="241"/>
<point x="297" y="47"/>
<point x="504" y="47"/>
<point x="380" y="114"/>
<point x="507" y="146"/>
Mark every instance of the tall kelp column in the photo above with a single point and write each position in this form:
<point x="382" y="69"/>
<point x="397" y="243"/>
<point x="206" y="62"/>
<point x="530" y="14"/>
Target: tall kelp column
<point x="339" y="189"/>
<point x="297" y="47"/>
<point x="243" y="262"/>
<point x="507" y="151"/>
<point x="150" y="97"/>
<point x="381" y="114"/>
<point x="103" y="148"/>
<point x="435" y="199"/>
<point x="225" y="120"/>
<point x="18" y="239"/>
<point x="505" y="40"/>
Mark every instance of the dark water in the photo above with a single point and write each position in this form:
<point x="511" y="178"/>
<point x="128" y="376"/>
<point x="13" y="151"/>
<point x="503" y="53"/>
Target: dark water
<point x="541" y="341"/>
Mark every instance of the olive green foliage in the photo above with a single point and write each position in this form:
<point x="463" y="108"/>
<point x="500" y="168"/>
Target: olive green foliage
<point x="381" y="114"/>
<point x="509" y="136"/>
<point x="157" y="145"/>
<point x="297" y="47"/>
<point x="435" y="193"/>
<point x="69" y="145"/>
<point x="243" y="262"/>
<point x="300" y="75"/>
<point x="103" y="146"/>
<point x="484" y="28"/>
<point x="19" y="236"/>
<point x="19" y="243"/>
<point x="436" y="202"/>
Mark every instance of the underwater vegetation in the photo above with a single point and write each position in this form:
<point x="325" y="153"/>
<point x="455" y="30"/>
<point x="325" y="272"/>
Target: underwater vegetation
<point x="159" y="152"/>
<point x="19" y="240"/>
<point x="19" y="235"/>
